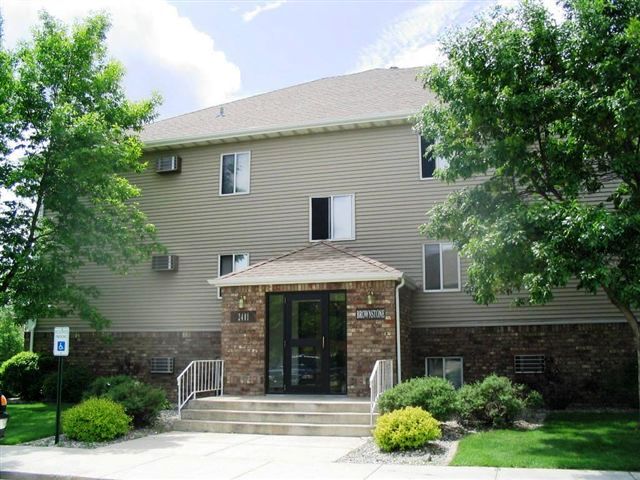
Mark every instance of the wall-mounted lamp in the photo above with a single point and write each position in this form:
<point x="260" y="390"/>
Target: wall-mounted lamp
<point x="241" y="302"/>
<point x="370" y="298"/>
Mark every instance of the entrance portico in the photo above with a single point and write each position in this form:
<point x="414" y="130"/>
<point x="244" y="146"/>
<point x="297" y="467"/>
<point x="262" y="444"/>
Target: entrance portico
<point x="312" y="321"/>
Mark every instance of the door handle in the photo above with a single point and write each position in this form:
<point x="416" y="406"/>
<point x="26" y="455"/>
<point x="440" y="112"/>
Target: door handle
<point x="323" y="342"/>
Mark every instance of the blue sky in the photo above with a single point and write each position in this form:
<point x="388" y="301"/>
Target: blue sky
<point x="201" y="53"/>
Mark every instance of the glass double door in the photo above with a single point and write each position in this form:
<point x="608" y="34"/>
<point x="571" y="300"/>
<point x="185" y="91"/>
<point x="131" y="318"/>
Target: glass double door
<point x="307" y="343"/>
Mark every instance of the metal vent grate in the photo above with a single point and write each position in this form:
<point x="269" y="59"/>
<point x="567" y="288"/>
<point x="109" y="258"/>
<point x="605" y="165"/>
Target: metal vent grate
<point x="529" y="363"/>
<point x="162" y="365"/>
<point x="168" y="163"/>
<point x="164" y="263"/>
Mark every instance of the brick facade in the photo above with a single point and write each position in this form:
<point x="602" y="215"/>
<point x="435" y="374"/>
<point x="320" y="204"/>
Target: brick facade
<point x="130" y="352"/>
<point x="586" y="364"/>
<point x="243" y="344"/>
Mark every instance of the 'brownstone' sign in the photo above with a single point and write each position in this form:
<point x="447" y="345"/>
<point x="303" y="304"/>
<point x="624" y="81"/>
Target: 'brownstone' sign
<point x="370" y="314"/>
<point x="246" y="316"/>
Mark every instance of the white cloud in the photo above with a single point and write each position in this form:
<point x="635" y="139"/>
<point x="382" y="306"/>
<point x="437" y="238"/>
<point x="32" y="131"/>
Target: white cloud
<point x="251" y="14"/>
<point x="412" y="39"/>
<point x="151" y="39"/>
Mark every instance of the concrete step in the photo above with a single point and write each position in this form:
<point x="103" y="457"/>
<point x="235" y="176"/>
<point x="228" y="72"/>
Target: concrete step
<point x="272" y="405"/>
<point x="266" y="428"/>
<point x="265" y="416"/>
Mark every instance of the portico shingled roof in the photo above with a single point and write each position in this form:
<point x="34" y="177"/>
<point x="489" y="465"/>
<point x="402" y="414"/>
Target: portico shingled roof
<point x="319" y="262"/>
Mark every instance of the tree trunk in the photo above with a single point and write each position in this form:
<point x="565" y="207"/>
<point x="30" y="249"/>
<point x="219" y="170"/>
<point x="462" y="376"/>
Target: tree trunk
<point x="633" y="322"/>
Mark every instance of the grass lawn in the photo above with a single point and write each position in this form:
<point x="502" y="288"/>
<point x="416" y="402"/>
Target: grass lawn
<point x="30" y="421"/>
<point x="598" y="441"/>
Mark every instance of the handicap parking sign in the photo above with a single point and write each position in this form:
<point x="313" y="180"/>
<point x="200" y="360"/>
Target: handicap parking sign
<point x="61" y="342"/>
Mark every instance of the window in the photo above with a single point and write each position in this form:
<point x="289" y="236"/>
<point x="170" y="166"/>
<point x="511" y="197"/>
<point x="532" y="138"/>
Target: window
<point x="529" y="363"/>
<point x="441" y="264"/>
<point x="428" y="164"/>
<point x="231" y="263"/>
<point x="449" y="368"/>
<point x="332" y="218"/>
<point x="235" y="173"/>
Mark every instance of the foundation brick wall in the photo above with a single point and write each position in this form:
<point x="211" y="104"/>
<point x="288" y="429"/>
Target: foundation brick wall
<point x="130" y="353"/>
<point x="586" y="364"/>
<point x="243" y="344"/>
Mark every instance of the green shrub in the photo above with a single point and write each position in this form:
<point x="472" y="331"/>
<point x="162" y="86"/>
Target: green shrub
<point x="140" y="400"/>
<point x="75" y="380"/>
<point x="95" y="420"/>
<point x="494" y="401"/>
<point x="11" y="335"/>
<point x="406" y="429"/>
<point x="433" y="394"/>
<point x="101" y="385"/>
<point x="533" y="400"/>
<point x="20" y="375"/>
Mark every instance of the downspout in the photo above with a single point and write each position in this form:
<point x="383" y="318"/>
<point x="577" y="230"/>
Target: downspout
<point x="399" y="357"/>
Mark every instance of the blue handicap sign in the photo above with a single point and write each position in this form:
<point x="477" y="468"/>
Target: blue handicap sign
<point x="61" y="346"/>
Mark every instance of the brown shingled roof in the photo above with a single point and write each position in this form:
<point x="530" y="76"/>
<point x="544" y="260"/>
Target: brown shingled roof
<point x="381" y="92"/>
<point x="315" y="263"/>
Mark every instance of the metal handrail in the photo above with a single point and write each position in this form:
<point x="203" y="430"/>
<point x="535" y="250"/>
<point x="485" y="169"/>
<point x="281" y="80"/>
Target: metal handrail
<point x="200" y="376"/>
<point x="381" y="380"/>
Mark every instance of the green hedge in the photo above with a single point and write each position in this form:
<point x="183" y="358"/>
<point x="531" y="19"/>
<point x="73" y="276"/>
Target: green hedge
<point x="494" y="401"/>
<point x="20" y="375"/>
<point x="75" y="380"/>
<point x="433" y="394"/>
<point x="95" y="420"/>
<point x="405" y="429"/>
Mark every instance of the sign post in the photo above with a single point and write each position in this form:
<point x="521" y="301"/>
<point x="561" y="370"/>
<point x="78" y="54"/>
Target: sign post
<point x="60" y="350"/>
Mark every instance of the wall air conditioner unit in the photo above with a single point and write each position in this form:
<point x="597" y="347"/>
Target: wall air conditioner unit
<point x="168" y="164"/>
<point x="161" y="364"/>
<point x="164" y="263"/>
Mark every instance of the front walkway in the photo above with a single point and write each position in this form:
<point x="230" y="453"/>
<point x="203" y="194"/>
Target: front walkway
<point x="192" y="456"/>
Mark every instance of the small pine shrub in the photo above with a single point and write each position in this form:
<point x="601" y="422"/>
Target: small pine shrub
<point x="20" y="375"/>
<point x="95" y="420"/>
<point x="494" y="401"/>
<point x="405" y="429"/>
<point x="141" y="401"/>
<point x="75" y="380"/>
<point x="433" y="394"/>
<point x="533" y="400"/>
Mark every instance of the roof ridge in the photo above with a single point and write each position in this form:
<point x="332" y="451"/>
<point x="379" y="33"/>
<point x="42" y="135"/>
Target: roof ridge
<point x="361" y="257"/>
<point x="268" y="260"/>
<point x="212" y="107"/>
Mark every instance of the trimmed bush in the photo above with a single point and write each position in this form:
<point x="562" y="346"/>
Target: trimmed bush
<point x="140" y="400"/>
<point x="101" y="385"/>
<point x="494" y="401"/>
<point x="406" y="429"/>
<point x="433" y="394"/>
<point x="95" y="420"/>
<point x="75" y="380"/>
<point x="20" y="375"/>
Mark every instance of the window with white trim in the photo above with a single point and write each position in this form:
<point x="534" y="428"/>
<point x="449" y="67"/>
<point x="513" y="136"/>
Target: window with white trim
<point x="235" y="173"/>
<point x="332" y="218"/>
<point x="429" y="164"/>
<point x="231" y="263"/>
<point x="449" y="368"/>
<point x="441" y="267"/>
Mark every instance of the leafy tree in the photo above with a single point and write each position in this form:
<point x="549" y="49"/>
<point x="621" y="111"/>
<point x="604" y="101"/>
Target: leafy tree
<point x="11" y="335"/>
<point x="547" y="113"/>
<point x="68" y="135"/>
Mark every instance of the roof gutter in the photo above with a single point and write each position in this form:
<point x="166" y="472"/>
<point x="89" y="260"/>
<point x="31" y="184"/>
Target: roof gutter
<point x="283" y="130"/>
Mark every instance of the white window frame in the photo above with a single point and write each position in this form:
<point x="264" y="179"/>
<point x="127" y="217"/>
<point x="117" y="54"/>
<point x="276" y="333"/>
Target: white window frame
<point x="424" y="270"/>
<point x="235" y="173"/>
<point x="234" y="264"/>
<point x="440" y="162"/>
<point x="444" y="368"/>
<point x="353" y="218"/>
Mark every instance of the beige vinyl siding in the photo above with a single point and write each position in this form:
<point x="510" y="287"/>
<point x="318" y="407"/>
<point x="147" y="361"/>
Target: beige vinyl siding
<point x="380" y="166"/>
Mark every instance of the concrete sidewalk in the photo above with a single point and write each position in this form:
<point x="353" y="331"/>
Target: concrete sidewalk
<point x="192" y="456"/>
